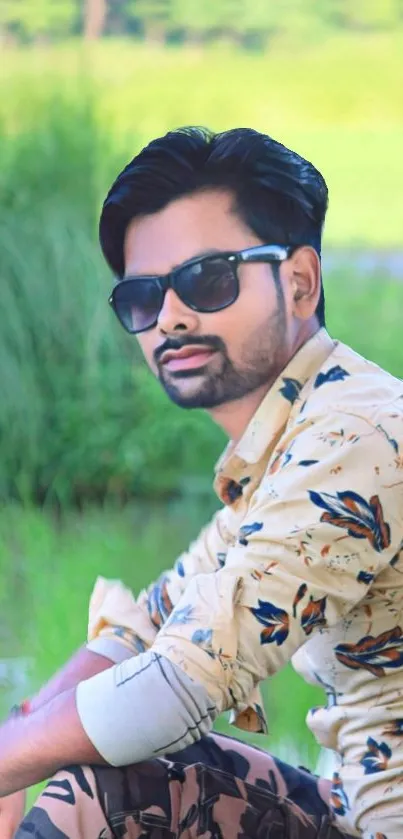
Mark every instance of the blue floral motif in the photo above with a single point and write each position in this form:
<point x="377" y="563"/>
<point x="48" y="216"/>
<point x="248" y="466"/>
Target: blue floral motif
<point x="394" y="728"/>
<point x="247" y="530"/>
<point x="307" y="462"/>
<point x="221" y="558"/>
<point x="376" y="758"/>
<point x="287" y="458"/>
<point x="338" y="797"/>
<point x="302" y="590"/>
<point x="128" y="635"/>
<point x="181" y="616"/>
<point x="232" y="492"/>
<point x="396" y="557"/>
<point x="365" y="577"/>
<point x="331" y="693"/>
<point x="390" y="439"/>
<point x="291" y="389"/>
<point x="313" y="616"/>
<point x="159" y="602"/>
<point x="275" y="620"/>
<point x="139" y="645"/>
<point x="280" y="460"/>
<point x="375" y="654"/>
<point x="179" y="568"/>
<point x="202" y="636"/>
<point x="350" y="511"/>
<point x="335" y="374"/>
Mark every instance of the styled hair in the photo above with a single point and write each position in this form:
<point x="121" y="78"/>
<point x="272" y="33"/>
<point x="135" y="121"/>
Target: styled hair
<point x="278" y="194"/>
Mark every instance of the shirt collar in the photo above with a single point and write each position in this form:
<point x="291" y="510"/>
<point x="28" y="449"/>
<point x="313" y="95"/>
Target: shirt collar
<point x="274" y="410"/>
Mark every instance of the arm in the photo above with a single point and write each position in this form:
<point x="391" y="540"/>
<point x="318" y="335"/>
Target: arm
<point x="176" y="713"/>
<point x="82" y="665"/>
<point x="119" y="625"/>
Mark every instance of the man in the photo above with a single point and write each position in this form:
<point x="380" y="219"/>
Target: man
<point x="215" y="244"/>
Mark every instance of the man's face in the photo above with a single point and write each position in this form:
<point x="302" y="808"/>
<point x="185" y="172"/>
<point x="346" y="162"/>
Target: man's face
<point x="237" y="350"/>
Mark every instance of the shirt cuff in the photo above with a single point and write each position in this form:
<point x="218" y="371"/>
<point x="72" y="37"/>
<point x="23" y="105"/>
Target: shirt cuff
<point x="109" y="648"/>
<point x="142" y="708"/>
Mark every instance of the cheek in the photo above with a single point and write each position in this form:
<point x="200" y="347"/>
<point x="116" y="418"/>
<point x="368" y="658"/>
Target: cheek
<point x="256" y="304"/>
<point x="237" y="324"/>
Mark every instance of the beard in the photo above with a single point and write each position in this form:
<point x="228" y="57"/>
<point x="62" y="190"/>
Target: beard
<point x="262" y="358"/>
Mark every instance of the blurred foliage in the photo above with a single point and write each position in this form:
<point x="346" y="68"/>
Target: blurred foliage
<point x="80" y="416"/>
<point x="250" y="23"/>
<point x="81" y="419"/>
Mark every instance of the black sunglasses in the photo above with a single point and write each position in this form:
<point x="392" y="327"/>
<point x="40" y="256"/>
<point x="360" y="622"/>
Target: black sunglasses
<point x="205" y="284"/>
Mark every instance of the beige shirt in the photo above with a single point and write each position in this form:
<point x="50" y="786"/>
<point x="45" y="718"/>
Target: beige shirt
<point x="304" y="562"/>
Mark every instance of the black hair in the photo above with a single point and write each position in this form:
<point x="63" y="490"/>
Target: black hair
<point x="281" y="196"/>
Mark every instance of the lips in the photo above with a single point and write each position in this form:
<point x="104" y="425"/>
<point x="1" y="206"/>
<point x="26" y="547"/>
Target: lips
<point x="186" y="357"/>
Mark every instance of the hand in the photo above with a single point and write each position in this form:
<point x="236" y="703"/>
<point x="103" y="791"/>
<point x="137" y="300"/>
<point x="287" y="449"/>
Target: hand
<point x="12" y="810"/>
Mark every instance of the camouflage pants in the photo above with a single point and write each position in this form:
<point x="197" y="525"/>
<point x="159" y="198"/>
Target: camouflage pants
<point x="218" y="788"/>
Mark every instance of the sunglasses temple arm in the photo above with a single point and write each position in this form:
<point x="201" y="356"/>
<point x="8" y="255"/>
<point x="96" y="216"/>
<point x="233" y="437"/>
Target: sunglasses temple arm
<point x="262" y="258"/>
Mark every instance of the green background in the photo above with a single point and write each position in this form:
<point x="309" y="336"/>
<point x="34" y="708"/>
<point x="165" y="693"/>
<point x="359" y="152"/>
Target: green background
<point x="99" y="473"/>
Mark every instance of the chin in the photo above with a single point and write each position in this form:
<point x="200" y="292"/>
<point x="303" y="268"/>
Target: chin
<point x="184" y="400"/>
<point x="184" y="397"/>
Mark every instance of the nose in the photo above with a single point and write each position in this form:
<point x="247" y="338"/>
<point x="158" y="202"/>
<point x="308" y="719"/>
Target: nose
<point x="175" y="316"/>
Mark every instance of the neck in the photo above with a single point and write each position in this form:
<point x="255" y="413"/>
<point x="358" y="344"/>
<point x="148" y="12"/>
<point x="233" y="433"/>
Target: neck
<point x="234" y="417"/>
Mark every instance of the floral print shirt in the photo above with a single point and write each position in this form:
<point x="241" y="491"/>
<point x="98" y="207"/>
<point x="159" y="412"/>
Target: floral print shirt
<point x="303" y="563"/>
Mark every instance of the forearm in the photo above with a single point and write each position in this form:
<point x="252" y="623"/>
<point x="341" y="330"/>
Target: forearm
<point x="34" y="746"/>
<point x="132" y="712"/>
<point x="83" y="664"/>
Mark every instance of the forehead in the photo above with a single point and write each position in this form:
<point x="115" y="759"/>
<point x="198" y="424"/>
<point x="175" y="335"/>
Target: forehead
<point x="188" y="226"/>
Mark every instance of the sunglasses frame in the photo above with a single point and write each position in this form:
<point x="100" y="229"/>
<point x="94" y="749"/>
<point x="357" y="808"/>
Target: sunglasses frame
<point x="260" y="253"/>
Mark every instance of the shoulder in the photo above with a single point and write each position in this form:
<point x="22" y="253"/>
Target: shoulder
<point x="351" y="388"/>
<point x="348" y="422"/>
<point x="344" y="442"/>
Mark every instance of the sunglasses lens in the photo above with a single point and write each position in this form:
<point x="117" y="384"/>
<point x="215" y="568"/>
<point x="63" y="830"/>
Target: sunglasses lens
<point x="137" y="303"/>
<point x="208" y="286"/>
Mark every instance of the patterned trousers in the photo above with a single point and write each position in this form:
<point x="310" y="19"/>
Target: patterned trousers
<point x="219" y="788"/>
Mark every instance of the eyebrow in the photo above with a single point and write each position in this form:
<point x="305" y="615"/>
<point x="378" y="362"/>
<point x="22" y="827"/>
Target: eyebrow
<point x="198" y="255"/>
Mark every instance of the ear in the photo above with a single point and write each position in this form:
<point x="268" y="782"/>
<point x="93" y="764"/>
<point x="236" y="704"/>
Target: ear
<point x="305" y="281"/>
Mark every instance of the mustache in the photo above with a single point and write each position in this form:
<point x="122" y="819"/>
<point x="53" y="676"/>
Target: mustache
<point x="212" y="342"/>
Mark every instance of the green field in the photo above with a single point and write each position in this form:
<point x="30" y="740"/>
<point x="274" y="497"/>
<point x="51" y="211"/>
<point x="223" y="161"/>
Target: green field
<point x="338" y="103"/>
<point x="81" y="421"/>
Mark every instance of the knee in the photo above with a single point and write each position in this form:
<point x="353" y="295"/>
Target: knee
<point x="69" y="806"/>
